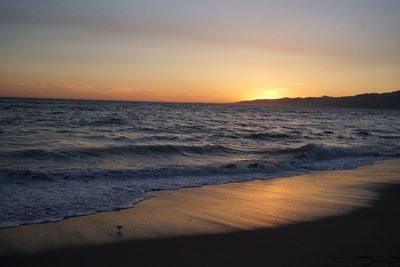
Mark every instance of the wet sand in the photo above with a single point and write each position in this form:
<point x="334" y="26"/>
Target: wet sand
<point x="334" y="218"/>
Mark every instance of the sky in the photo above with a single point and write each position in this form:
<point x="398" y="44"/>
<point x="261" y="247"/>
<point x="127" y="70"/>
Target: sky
<point x="198" y="51"/>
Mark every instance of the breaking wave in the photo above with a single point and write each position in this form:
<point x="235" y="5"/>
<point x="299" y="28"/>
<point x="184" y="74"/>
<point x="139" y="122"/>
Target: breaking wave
<point x="83" y="191"/>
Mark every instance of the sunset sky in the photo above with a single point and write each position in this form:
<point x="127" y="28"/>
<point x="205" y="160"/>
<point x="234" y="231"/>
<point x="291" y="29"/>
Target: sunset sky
<point x="198" y="51"/>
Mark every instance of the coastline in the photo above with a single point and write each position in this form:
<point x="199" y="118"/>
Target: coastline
<point x="369" y="236"/>
<point x="218" y="213"/>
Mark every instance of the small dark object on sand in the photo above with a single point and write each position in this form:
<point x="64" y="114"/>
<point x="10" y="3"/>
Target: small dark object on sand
<point x="119" y="227"/>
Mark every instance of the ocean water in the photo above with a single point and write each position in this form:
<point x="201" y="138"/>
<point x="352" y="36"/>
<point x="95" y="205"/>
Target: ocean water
<point x="67" y="158"/>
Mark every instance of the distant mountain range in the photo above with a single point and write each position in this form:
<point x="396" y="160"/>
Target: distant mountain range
<point x="377" y="101"/>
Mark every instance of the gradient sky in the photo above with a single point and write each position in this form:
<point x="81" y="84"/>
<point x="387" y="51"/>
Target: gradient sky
<point x="198" y="51"/>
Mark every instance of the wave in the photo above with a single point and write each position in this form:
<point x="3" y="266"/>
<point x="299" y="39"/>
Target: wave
<point x="267" y="136"/>
<point x="379" y="134"/>
<point x="323" y="152"/>
<point x="388" y="136"/>
<point x="308" y="151"/>
<point x="258" y="136"/>
<point x="129" y="150"/>
<point x="109" y="121"/>
<point x="72" y="192"/>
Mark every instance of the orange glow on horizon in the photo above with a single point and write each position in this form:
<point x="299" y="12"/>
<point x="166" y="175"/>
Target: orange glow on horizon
<point x="64" y="90"/>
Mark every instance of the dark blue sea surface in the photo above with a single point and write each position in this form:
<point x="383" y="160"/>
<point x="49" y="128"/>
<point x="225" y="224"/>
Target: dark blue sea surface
<point x="66" y="158"/>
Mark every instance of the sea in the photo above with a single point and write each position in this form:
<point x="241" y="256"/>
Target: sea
<point x="64" y="158"/>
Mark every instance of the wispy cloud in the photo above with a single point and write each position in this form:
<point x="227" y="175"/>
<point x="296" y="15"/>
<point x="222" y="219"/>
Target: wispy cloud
<point x="254" y="24"/>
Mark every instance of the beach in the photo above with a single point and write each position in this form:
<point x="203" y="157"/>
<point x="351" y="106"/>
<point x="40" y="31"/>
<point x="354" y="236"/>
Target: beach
<point x="200" y="133"/>
<point x="325" y="218"/>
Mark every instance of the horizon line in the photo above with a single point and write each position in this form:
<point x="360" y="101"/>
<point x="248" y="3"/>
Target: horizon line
<point x="180" y="102"/>
<point x="115" y="100"/>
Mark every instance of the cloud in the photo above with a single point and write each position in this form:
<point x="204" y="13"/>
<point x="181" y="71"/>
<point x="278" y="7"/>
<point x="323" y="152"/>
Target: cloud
<point x="260" y="25"/>
<point x="74" y="90"/>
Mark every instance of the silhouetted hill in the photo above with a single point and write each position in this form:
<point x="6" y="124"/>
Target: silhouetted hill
<point x="377" y="101"/>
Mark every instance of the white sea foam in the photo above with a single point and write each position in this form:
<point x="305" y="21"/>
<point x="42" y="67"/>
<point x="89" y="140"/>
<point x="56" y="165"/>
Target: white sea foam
<point x="43" y="197"/>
